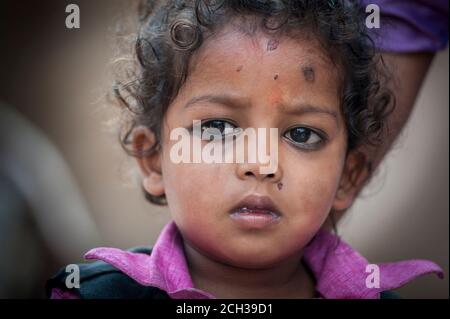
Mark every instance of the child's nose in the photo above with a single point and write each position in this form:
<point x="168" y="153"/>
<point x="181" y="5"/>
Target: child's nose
<point x="253" y="170"/>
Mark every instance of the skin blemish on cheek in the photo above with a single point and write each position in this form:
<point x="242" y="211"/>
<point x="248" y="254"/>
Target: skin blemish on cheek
<point x="308" y="73"/>
<point x="280" y="186"/>
<point x="275" y="77"/>
<point x="272" y="44"/>
<point x="239" y="68"/>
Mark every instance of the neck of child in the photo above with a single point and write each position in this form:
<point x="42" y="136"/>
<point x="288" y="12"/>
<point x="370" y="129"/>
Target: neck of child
<point x="287" y="279"/>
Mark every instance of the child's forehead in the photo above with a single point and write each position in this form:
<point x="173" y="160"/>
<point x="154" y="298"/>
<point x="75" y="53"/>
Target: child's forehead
<point x="231" y="48"/>
<point x="281" y="64"/>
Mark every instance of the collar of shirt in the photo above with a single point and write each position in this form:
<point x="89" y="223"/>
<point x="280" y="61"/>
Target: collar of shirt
<point x="340" y="271"/>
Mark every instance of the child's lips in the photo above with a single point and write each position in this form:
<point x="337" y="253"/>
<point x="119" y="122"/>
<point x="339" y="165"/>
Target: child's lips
<point x="255" y="212"/>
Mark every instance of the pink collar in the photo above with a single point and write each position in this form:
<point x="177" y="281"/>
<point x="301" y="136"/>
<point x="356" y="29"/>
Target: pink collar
<point x="340" y="271"/>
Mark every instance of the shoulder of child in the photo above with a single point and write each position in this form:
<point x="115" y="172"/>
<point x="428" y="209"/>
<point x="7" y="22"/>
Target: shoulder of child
<point x="100" y="280"/>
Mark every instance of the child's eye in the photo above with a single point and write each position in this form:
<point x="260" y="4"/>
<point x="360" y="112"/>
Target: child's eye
<point x="304" y="137"/>
<point x="215" y="127"/>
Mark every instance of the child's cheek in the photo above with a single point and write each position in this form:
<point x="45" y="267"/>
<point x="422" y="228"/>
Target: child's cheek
<point x="310" y="188"/>
<point x="193" y="191"/>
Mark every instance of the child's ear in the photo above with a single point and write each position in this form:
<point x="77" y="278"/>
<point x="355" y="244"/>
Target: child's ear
<point x="355" y="173"/>
<point x="149" y="163"/>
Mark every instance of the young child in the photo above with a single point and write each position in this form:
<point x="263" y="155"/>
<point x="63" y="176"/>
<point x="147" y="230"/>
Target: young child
<point x="307" y="71"/>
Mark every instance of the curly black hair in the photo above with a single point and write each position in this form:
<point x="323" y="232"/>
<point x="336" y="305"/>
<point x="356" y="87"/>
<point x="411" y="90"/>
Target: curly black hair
<point x="170" y="31"/>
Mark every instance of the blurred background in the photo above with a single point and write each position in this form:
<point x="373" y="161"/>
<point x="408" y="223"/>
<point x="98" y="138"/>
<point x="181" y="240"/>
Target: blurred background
<point x="66" y="185"/>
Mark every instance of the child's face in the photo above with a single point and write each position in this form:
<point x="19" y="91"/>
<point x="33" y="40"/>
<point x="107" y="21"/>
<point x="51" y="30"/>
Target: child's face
<point x="273" y="84"/>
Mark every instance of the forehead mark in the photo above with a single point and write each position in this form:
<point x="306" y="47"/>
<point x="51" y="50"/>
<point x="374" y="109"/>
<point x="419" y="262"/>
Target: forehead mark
<point x="239" y="68"/>
<point x="308" y="73"/>
<point x="272" y="44"/>
<point x="275" y="77"/>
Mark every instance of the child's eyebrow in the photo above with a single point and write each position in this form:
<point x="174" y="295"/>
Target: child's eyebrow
<point x="309" y="108"/>
<point x="224" y="99"/>
<point x="238" y="102"/>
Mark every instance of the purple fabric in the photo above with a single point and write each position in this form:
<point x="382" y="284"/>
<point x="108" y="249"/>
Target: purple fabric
<point x="58" y="293"/>
<point x="340" y="271"/>
<point x="411" y="26"/>
<point x="165" y="268"/>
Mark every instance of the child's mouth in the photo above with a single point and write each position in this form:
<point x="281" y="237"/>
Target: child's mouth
<point x="255" y="212"/>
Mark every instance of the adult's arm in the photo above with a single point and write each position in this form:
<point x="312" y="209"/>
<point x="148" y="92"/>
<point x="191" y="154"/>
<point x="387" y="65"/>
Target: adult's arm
<point x="409" y="35"/>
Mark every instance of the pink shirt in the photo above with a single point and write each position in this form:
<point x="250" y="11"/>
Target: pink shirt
<point x="339" y="270"/>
